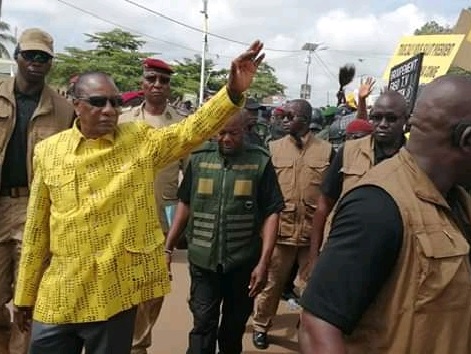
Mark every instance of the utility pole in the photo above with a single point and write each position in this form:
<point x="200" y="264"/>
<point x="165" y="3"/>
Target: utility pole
<point x="204" y="51"/>
<point x="0" y="8"/>
<point x="306" y="88"/>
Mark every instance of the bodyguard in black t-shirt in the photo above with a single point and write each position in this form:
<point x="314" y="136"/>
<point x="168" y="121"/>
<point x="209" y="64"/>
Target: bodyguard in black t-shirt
<point x="389" y="115"/>
<point x="394" y="275"/>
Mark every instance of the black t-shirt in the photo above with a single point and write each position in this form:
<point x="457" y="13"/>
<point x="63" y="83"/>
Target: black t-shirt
<point x="358" y="258"/>
<point x="14" y="171"/>
<point x="360" y="254"/>
<point x="333" y="181"/>
<point x="270" y="198"/>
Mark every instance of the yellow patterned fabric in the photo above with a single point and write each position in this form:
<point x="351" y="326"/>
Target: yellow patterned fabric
<point x="92" y="209"/>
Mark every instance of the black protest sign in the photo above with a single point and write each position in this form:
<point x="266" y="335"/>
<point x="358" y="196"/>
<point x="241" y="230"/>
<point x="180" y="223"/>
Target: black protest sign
<point x="404" y="78"/>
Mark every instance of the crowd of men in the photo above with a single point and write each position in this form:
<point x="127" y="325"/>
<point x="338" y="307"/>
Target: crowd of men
<point x="369" y="231"/>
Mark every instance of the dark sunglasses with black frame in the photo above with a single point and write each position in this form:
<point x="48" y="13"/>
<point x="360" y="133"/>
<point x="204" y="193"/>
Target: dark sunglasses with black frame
<point x="152" y="78"/>
<point x="390" y="117"/>
<point x="100" y="101"/>
<point x="37" y="56"/>
<point x="292" y="117"/>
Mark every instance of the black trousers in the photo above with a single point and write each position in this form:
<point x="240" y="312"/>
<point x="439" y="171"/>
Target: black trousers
<point x="113" y="336"/>
<point x="208" y="290"/>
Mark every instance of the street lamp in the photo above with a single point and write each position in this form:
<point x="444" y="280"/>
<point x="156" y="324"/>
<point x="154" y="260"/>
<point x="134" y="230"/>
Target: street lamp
<point x="310" y="48"/>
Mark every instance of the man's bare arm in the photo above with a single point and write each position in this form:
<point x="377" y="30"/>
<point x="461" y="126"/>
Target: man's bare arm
<point x="317" y="336"/>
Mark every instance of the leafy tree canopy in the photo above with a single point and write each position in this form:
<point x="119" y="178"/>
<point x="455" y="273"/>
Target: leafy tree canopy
<point x="5" y="38"/>
<point x="117" y="53"/>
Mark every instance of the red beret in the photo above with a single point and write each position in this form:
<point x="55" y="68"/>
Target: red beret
<point x="278" y="110"/>
<point x="127" y="96"/>
<point x="359" y="125"/>
<point x="157" y="64"/>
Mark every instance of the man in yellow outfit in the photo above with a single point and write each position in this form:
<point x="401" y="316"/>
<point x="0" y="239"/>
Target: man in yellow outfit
<point x="92" y="212"/>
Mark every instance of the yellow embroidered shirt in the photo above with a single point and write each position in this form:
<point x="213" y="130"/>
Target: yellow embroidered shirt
<point x="92" y="211"/>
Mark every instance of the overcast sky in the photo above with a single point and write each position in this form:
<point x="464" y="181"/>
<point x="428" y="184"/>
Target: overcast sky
<point x="363" y="32"/>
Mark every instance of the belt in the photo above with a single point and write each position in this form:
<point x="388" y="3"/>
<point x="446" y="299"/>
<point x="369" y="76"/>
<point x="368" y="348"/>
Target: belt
<point x="14" y="192"/>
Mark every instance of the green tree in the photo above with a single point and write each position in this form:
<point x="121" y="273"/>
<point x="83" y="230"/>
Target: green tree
<point x="116" y="53"/>
<point x="433" y="27"/>
<point x="265" y="83"/>
<point x="5" y="38"/>
<point x="187" y="79"/>
<point x="187" y="76"/>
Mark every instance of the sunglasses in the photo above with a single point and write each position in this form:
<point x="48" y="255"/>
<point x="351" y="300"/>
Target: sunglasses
<point x="390" y="118"/>
<point x="100" y="101"/>
<point x="35" y="56"/>
<point x="163" y="79"/>
<point x="292" y="117"/>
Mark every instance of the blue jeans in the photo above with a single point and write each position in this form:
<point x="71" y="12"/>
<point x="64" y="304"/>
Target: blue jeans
<point x="113" y="336"/>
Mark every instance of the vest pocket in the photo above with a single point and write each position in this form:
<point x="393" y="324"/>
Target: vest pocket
<point x="314" y="174"/>
<point x="351" y="175"/>
<point x="309" y="209"/>
<point x="444" y="271"/>
<point x="352" y="171"/>
<point x="316" y="170"/>
<point x="285" y="173"/>
<point x="203" y="229"/>
<point x="287" y="220"/>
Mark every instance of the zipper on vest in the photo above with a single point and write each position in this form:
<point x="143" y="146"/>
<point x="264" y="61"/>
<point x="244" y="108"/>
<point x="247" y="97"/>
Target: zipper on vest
<point x="220" y="234"/>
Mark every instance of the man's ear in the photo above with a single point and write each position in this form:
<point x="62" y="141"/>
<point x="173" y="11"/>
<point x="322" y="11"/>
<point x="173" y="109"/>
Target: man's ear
<point x="465" y="139"/>
<point x="76" y="104"/>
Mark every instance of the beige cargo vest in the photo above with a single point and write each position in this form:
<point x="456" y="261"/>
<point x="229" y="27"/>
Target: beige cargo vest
<point x="300" y="173"/>
<point x="425" y="306"/>
<point x="358" y="158"/>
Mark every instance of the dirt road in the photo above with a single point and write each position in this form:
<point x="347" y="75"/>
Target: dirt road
<point x="171" y="332"/>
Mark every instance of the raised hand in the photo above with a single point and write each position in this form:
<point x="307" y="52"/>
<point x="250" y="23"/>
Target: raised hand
<point x="243" y="69"/>
<point x="366" y="87"/>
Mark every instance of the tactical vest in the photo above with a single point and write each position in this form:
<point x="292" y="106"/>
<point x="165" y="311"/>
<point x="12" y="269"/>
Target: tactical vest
<point x="425" y="305"/>
<point x="224" y="225"/>
<point x="300" y="174"/>
<point x="358" y="158"/>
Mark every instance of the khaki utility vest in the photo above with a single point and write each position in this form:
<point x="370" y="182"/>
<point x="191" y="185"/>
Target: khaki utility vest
<point x="425" y="305"/>
<point x="300" y="174"/>
<point x="358" y="158"/>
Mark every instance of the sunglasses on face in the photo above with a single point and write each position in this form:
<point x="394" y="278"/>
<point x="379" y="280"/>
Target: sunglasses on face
<point x="152" y="79"/>
<point x="35" y="56"/>
<point x="100" y="101"/>
<point x="292" y="117"/>
<point x="390" y="118"/>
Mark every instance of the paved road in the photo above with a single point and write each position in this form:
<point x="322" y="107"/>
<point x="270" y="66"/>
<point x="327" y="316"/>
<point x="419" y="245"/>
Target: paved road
<point x="171" y="331"/>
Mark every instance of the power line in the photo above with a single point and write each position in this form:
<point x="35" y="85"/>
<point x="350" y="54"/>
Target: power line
<point x="324" y="66"/>
<point x="127" y="28"/>
<point x="180" y="23"/>
<point x="360" y="54"/>
<point x="353" y="53"/>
